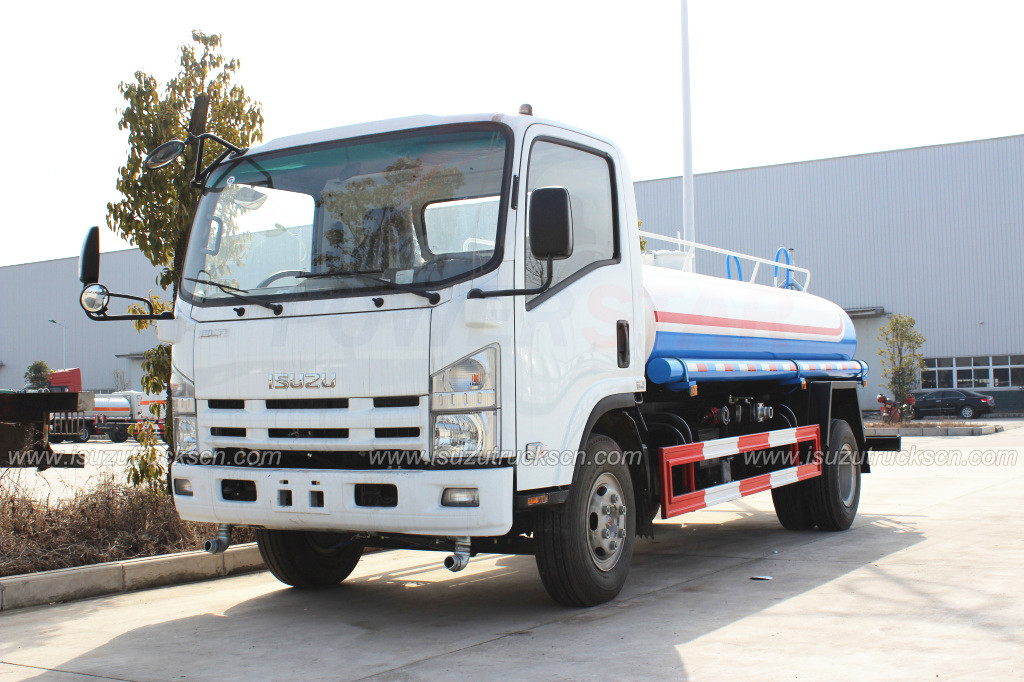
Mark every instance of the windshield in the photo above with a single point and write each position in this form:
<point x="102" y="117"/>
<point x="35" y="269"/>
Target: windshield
<point x="419" y="209"/>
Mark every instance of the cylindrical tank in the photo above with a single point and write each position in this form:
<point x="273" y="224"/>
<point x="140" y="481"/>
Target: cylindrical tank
<point x="692" y="316"/>
<point x="109" y="406"/>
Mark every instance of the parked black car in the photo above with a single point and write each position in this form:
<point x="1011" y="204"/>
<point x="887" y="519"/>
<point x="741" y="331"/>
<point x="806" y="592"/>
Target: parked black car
<point x="956" y="401"/>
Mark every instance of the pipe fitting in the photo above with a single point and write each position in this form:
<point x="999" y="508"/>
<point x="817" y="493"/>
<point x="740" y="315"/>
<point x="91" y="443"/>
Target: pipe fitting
<point x="460" y="558"/>
<point x="220" y="543"/>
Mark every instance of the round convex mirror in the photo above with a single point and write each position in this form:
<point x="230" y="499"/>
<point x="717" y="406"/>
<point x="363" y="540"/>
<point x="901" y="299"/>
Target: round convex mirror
<point x="95" y="298"/>
<point x="164" y="154"/>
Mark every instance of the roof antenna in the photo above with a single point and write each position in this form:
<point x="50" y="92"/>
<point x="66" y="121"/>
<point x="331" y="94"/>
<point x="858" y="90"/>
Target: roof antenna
<point x="526" y="109"/>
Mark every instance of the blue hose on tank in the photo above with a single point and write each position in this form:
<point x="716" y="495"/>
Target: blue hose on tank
<point x="728" y="267"/>
<point x="782" y="250"/>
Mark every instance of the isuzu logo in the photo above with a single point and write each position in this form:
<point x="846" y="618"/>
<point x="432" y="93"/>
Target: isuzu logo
<point x="302" y="380"/>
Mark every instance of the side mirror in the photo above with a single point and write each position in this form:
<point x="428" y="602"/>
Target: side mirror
<point x="95" y="298"/>
<point x="89" y="261"/>
<point x="551" y="223"/>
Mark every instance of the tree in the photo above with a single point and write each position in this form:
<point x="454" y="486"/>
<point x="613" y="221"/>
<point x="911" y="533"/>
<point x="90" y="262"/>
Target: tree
<point x="157" y="207"/>
<point x="901" y="357"/>
<point x="38" y="375"/>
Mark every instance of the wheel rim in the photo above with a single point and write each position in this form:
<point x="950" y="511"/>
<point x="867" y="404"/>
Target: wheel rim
<point x="606" y="521"/>
<point x="847" y="466"/>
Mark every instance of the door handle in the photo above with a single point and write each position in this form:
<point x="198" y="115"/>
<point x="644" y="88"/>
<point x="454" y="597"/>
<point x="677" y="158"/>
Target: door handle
<point x="622" y="338"/>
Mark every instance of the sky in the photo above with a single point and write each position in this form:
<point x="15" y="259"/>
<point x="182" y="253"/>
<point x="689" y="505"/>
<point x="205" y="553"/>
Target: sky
<point x="772" y="82"/>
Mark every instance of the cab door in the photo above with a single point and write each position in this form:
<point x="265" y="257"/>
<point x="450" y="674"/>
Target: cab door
<point x="574" y="341"/>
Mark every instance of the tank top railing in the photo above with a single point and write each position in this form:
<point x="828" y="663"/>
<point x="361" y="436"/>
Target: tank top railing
<point x="687" y="250"/>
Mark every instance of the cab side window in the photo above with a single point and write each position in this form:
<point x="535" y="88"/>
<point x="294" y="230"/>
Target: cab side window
<point x="588" y="177"/>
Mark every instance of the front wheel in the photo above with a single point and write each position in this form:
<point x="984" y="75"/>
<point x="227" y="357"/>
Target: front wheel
<point x="585" y="545"/>
<point x="306" y="559"/>
<point x="118" y="435"/>
<point x="834" y="496"/>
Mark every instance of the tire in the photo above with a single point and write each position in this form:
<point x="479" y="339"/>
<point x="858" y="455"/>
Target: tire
<point x="968" y="412"/>
<point x="834" y="496"/>
<point x="577" y="564"/>
<point x="792" y="507"/>
<point x="308" y="560"/>
<point x="84" y="434"/>
<point x="119" y="435"/>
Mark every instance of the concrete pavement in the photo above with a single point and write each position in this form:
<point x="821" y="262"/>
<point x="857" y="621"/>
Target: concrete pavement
<point x="926" y="585"/>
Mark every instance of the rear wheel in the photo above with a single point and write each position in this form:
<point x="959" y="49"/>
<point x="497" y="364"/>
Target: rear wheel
<point x="84" y="433"/>
<point x="306" y="559"/>
<point x="792" y="507"/>
<point x="585" y="545"/>
<point x="834" y="496"/>
<point x="967" y="412"/>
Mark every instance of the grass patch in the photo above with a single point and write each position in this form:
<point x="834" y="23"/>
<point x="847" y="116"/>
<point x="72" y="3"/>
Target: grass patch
<point x="109" y="521"/>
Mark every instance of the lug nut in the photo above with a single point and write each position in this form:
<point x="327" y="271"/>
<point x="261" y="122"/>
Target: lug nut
<point x="622" y="510"/>
<point x="605" y="509"/>
<point x="622" y="532"/>
<point x="613" y="544"/>
<point x="614" y="498"/>
<point x="605" y="533"/>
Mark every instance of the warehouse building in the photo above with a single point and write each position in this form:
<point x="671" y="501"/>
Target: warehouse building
<point x="109" y="353"/>
<point x="931" y="232"/>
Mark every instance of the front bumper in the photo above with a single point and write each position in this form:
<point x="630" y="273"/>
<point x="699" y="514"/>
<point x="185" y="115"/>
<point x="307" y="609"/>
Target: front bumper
<point x="418" y="512"/>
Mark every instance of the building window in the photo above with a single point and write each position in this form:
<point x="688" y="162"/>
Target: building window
<point x="979" y="371"/>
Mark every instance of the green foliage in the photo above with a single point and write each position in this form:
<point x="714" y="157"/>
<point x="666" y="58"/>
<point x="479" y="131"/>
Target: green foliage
<point x="38" y="374"/>
<point x="145" y="465"/>
<point x="157" y="206"/>
<point x="901" y="356"/>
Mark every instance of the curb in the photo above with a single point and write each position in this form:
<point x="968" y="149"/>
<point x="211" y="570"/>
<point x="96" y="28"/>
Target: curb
<point x="934" y="431"/>
<point x="116" y="577"/>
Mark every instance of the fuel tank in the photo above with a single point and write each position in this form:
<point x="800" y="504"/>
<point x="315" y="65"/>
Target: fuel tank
<point x="697" y="317"/>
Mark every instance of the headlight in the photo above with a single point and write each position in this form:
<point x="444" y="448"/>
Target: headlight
<point x="183" y="393"/>
<point x="186" y="435"/>
<point x="472" y="382"/>
<point x="464" y="414"/>
<point x="464" y="437"/>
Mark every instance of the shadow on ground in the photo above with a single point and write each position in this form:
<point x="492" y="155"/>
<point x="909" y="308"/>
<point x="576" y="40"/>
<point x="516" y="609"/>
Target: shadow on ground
<point x="413" y="619"/>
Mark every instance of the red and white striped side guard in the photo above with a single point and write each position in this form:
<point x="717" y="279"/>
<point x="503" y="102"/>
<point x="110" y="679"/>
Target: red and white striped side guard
<point x="691" y="453"/>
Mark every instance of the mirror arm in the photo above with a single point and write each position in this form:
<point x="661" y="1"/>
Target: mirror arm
<point x="201" y="174"/>
<point x="153" y="315"/>
<point x="478" y="293"/>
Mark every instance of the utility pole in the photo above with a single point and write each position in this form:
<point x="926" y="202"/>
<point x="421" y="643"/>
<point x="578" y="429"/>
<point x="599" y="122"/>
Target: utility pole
<point x="65" y="352"/>
<point x="689" y="231"/>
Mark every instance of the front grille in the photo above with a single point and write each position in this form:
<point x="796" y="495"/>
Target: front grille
<point x="227" y="431"/>
<point x="308" y="433"/>
<point x="307" y="404"/>
<point x="226" y="404"/>
<point x="323" y="428"/>
<point x="402" y="432"/>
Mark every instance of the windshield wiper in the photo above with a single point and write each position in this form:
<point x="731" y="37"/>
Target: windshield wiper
<point x="432" y="296"/>
<point x="238" y="294"/>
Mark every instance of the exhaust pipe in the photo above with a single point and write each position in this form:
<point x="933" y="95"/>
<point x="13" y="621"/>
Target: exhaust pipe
<point x="220" y="543"/>
<point x="460" y="558"/>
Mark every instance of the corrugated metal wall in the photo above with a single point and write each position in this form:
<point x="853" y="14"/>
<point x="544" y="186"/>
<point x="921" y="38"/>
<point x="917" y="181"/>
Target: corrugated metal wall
<point x="33" y="293"/>
<point x="933" y="232"/>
